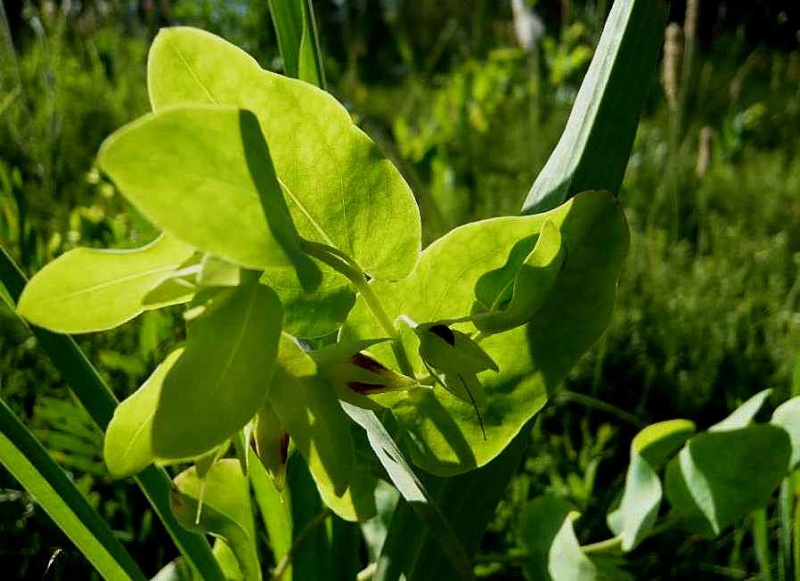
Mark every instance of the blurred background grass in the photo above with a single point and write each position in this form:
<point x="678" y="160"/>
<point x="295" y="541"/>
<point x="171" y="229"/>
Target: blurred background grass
<point x="468" y="98"/>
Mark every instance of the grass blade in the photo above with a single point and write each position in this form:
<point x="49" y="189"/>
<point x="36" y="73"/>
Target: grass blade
<point x="98" y="399"/>
<point x="594" y="148"/>
<point x="26" y="459"/>
<point x="296" y="29"/>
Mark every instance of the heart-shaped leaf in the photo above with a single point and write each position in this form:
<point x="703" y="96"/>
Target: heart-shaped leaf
<point x="223" y="376"/>
<point x="87" y="290"/>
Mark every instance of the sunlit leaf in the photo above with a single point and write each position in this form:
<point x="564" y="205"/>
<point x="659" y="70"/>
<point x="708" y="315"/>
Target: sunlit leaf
<point x="222" y="378"/>
<point x="511" y="295"/>
<point x="641" y="498"/>
<point x="341" y="190"/>
<point x="311" y="313"/>
<point x="744" y="414"/>
<point x="787" y="416"/>
<point x="219" y="156"/>
<point x="308" y="408"/>
<point x="88" y="290"/>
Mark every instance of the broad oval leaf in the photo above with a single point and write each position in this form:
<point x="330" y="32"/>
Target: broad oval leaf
<point x="719" y="477"/>
<point x="220" y="504"/>
<point x="341" y="190"/>
<point x="128" y="446"/>
<point x="311" y="314"/>
<point x="87" y="290"/>
<point x="442" y="433"/>
<point x="204" y="175"/>
<point x="223" y="375"/>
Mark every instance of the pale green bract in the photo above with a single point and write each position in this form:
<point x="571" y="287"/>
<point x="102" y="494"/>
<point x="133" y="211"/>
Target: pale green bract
<point x="340" y="188"/>
<point x="87" y="290"/>
<point x="441" y="433"/>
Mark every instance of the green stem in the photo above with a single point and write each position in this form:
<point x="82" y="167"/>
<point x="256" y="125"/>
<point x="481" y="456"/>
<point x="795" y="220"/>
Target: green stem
<point x="796" y="540"/>
<point x="344" y="265"/>
<point x="594" y="403"/>
<point x="286" y="560"/>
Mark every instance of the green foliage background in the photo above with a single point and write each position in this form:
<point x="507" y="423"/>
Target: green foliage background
<point x="707" y="312"/>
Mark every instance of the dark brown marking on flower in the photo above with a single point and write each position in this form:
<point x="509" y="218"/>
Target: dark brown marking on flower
<point x="445" y="333"/>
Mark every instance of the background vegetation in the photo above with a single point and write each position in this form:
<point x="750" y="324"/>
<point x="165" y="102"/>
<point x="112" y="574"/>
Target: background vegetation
<point x="469" y="99"/>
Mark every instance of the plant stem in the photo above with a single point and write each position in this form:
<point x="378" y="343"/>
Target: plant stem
<point x="344" y="265"/>
<point x="796" y="540"/>
<point x="286" y="560"/>
<point x="594" y="403"/>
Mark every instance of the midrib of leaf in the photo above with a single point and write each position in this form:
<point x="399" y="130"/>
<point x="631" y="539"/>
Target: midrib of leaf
<point x="197" y="80"/>
<point x="300" y="205"/>
<point x="106" y="284"/>
<point x="238" y="342"/>
<point x="136" y="434"/>
<point x="306" y="213"/>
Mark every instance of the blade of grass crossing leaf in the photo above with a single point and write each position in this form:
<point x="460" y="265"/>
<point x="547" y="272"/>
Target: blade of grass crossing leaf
<point x="33" y="467"/>
<point x="416" y="497"/>
<point x="287" y="18"/>
<point x="99" y="402"/>
<point x="594" y="148"/>
<point x="467" y="502"/>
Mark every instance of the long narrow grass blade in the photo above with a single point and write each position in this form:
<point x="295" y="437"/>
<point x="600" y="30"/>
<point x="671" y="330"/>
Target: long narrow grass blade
<point x="98" y="399"/>
<point x="26" y="459"/>
<point x="594" y="148"/>
<point x="296" y="29"/>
